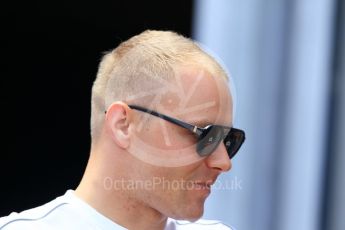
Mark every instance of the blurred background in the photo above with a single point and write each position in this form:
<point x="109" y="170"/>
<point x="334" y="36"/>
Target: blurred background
<point x="286" y="59"/>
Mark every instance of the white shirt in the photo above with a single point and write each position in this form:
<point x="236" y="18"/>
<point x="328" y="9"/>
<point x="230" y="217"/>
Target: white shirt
<point x="69" y="212"/>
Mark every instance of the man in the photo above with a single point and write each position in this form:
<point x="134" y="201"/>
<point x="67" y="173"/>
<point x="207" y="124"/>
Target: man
<point x="161" y="128"/>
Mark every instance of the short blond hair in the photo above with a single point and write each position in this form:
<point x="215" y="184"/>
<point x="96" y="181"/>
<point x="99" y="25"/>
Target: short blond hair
<point x="142" y="59"/>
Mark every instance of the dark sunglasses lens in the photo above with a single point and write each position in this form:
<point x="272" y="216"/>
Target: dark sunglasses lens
<point x="209" y="140"/>
<point x="233" y="142"/>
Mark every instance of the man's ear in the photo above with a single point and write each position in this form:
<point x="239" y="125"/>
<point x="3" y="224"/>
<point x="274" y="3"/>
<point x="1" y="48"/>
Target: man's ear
<point x="117" y="120"/>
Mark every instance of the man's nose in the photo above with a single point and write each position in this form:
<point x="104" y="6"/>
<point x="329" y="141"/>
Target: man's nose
<point x="219" y="159"/>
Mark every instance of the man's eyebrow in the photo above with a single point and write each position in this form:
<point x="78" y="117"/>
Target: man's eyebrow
<point x="200" y="123"/>
<point x="204" y="123"/>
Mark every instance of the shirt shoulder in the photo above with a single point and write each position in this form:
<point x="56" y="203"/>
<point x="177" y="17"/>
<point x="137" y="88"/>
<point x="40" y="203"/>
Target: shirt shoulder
<point x="201" y="224"/>
<point x="31" y="218"/>
<point x="68" y="212"/>
<point x="64" y="212"/>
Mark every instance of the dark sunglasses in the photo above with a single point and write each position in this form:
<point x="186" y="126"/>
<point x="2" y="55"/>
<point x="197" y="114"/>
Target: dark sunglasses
<point x="209" y="137"/>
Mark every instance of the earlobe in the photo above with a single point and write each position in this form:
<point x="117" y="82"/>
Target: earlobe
<point x="117" y="121"/>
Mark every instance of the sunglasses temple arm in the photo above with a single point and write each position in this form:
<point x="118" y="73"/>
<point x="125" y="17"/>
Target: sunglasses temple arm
<point x="198" y="131"/>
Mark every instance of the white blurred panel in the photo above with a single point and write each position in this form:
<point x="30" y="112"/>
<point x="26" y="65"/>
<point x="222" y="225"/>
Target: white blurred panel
<point x="279" y="56"/>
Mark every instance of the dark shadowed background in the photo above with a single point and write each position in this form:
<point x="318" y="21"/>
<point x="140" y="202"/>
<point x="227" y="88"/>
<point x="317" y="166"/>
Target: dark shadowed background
<point x="51" y="58"/>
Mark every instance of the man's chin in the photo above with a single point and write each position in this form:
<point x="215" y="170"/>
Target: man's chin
<point x="194" y="219"/>
<point x="191" y="216"/>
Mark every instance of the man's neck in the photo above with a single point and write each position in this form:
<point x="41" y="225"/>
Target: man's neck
<point x="116" y="204"/>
